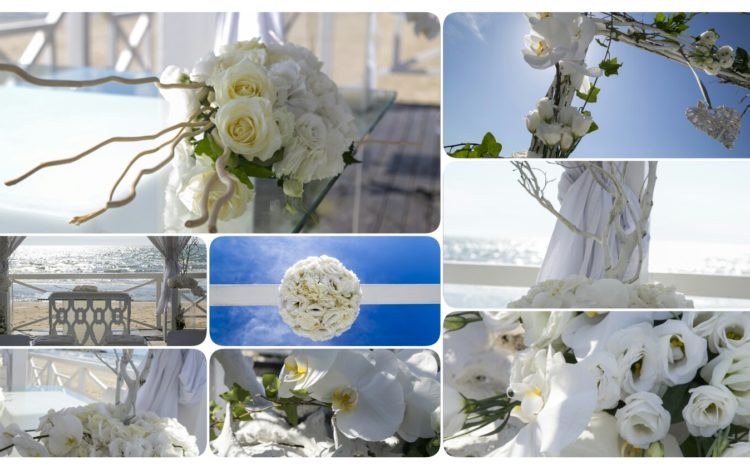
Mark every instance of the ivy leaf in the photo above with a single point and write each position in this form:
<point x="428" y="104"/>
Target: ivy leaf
<point x="271" y="385"/>
<point x="610" y="67"/>
<point x="591" y="96"/>
<point x="593" y="128"/>
<point x="255" y="170"/>
<point x="349" y="156"/>
<point x="208" y="147"/>
<point x="242" y="177"/>
<point x="489" y="146"/>
<point x="240" y="413"/>
<point x="236" y="394"/>
<point x="741" y="63"/>
<point x="463" y="152"/>
<point x="291" y="413"/>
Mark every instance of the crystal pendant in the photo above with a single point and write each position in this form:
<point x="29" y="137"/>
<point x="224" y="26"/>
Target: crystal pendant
<point x="721" y="123"/>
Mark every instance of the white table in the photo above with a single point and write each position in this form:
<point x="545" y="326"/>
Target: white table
<point x="27" y="407"/>
<point x="41" y="124"/>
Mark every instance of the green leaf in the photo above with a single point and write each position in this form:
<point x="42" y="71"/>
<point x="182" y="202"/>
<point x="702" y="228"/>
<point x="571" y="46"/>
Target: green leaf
<point x="591" y="96"/>
<point x="243" y="178"/>
<point x="453" y="323"/>
<point x="349" y="155"/>
<point x="208" y="147"/>
<point x="489" y="146"/>
<point x="741" y="63"/>
<point x="291" y="413"/>
<point x="610" y="67"/>
<point x="593" y="128"/>
<point x="689" y="447"/>
<point x="301" y="393"/>
<point x="660" y="18"/>
<point x="235" y="394"/>
<point x="240" y="413"/>
<point x="676" y="398"/>
<point x="271" y="385"/>
<point x="255" y="170"/>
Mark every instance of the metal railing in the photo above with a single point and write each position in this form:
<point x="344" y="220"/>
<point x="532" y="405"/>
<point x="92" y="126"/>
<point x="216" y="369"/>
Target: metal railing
<point x="195" y="307"/>
<point x="705" y="285"/>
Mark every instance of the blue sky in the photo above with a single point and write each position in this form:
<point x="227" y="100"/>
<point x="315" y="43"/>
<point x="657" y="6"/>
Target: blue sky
<point x="388" y="260"/>
<point x="641" y="112"/>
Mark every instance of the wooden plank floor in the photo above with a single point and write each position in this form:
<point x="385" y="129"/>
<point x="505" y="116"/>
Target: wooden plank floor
<point x="400" y="183"/>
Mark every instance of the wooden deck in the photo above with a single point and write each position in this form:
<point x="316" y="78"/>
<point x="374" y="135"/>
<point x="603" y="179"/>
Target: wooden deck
<point x="400" y="183"/>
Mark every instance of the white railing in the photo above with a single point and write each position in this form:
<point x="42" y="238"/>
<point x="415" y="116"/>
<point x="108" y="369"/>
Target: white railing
<point x="194" y="309"/>
<point x="705" y="285"/>
<point x="42" y="40"/>
<point x="83" y="377"/>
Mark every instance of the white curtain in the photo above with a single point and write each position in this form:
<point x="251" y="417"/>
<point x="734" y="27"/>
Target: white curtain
<point x="8" y="244"/>
<point x="176" y="387"/>
<point x="170" y="247"/>
<point x="235" y="27"/>
<point x="587" y="204"/>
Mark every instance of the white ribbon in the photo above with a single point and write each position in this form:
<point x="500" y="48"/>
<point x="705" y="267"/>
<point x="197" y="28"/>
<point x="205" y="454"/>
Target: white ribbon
<point x="372" y="294"/>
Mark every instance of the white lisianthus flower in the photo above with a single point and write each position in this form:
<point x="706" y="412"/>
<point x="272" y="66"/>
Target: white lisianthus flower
<point x="191" y="189"/>
<point x="319" y="298"/>
<point x="589" y="332"/>
<point x="243" y="79"/>
<point x="65" y="435"/>
<point x="286" y="77"/>
<point x="454" y="414"/>
<point x="546" y="108"/>
<point x="603" y="293"/>
<point x="638" y="358"/>
<point x="533" y="119"/>
<point x="550" y="134"/>
<point x="707" y="38"/>
<point x="683" y="352"/>
<point x="543" y="328"/>
<point x="731" y="331"/>
<point x="702" y="323"/>
<point x="581" y="125"/>
<point x="709" y="409"/>
<point x="731" y="369"/>
<point x="643" y="420"/>
<point x="605" y="370"/>
<point x="247" y="126"/>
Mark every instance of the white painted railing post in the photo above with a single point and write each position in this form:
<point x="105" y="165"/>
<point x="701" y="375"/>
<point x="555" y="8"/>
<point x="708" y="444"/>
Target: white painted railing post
<point x="77" y="29"/>
<point x="19" y="364"/>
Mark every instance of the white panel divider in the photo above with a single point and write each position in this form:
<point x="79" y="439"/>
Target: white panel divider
<point x="372" y="294"/>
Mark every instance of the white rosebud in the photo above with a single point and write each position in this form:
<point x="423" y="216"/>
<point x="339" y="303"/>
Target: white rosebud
<point x="709" y="409"/>
<point x="725" y="51"/>
<point x="731" y="369"/>
<point x="546" y="108"/>
<point x="581" y="125"/>
<point x="707" y="38"/>
<point x="712" y="68"/>
<point x="454" y="415"/>
<point x="247" y="126"/>
<point x="566" y="140"/>
<point x="532" y="120"/>
<point x="566" y="115"/>
<point x="643" y="420"/>
<point x="243" y="79"/>
<point x="550" y="134"/>
<point x="683" y="352"/>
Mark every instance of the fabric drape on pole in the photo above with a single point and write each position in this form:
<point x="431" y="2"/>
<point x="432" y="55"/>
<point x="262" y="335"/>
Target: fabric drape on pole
<point x="176" y="387"/>
<point x="170" y="247"/>
<point x="8" y="244"/>
<point x="587" y="204"/>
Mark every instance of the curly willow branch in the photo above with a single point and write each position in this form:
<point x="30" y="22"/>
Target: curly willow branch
<point x="229" y="182"/>
<point x="26" y="76"/>
<point x="203" y="218"/>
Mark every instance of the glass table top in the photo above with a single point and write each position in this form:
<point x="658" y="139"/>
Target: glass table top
<point x="101" y="111"/>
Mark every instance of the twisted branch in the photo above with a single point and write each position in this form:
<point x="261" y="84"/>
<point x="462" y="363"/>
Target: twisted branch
<point x="203" y="218"/>
<point x="230" y="184"/>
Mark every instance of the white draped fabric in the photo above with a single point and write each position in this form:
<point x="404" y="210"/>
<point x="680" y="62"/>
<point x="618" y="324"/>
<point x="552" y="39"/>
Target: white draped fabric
<point x="587" y="204"/>
<point x="8" y="244"/>
<point x="235" y="27"/>
<point x="176" y="387"/>
<point x="170" y="247"/>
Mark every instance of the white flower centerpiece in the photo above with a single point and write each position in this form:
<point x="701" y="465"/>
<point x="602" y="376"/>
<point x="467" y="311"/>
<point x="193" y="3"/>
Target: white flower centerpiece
<point x="319" y="298"/>
<point x="616" y="384"/>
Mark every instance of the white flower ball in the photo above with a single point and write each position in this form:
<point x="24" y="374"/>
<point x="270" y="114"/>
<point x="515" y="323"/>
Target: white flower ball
<point x="319" y="298"/>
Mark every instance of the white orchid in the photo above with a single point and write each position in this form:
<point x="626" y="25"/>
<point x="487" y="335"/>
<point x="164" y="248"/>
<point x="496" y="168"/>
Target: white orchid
<point x="454" y="414"/>
<point x="65" y="435"/>
<point x="29" y="447"/>
<point x="683" y="352"/>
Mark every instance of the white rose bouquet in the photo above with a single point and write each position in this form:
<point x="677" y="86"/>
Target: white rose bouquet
<point x="100" y="430"/>
<point x="612" y="384"/>
<point x="264" y="111"/>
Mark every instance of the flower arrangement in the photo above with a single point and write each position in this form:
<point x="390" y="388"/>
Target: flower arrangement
<point x="254" y="110"/>
<point x="335" y="403"/>
<point x="577" y="291"/>
<point x="100" y="430"/>
<point x="614" y="384"/>
<point x="319" y="298"/>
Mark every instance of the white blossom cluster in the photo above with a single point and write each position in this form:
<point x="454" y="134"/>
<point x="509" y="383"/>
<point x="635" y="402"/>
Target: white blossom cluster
<point x="319" y="298"/>
<point x="577" y="291"/>
<point x="98" y="430"/>
<point x="272" y="106"/>
<point x="622" y="371"/>
<point x="710" y="58"/>
<point x="557" y="125"/>
<point x="376" y="401"/>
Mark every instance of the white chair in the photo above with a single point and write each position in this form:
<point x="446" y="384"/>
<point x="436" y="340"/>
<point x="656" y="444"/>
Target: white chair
<point x="89" y="317"/>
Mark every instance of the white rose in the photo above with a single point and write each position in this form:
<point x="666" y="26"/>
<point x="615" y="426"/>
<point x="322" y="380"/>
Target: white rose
<point x="707" y="38"/>
<point x="454" y="415"/>
<point x="550" y="134"/>
<point x="247" y="127"/>
<point x="183" y="103"/>
<point x="709" y="409"/>
<point x="605" y="369"/>
<point x="638" y="358"/>
<point x="581" y="125"/>
<point x="731" y="369"/>
<point x="205" y="68"/>
<point x="532" y="120"/>
<point x="546" y="108"/>
<point x="683" y="352"/>
<point x="643" y="420"/>
<point x="252" y="50"/>
<point x="542" y="328"/>
<point x="190" y="191"/>
<point x="311" y="131"/>
<point x="603" y="293"/>
<point x="243" y="79"/>
<point x="731" y="331"/>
